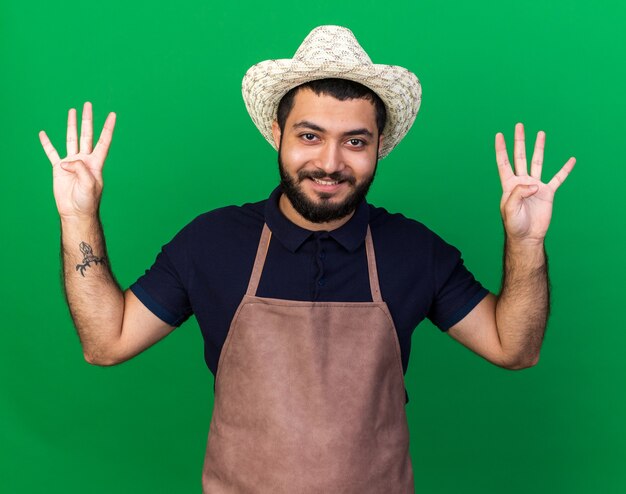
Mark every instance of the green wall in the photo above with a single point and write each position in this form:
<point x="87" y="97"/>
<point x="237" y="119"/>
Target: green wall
<point x="184" y="144"/>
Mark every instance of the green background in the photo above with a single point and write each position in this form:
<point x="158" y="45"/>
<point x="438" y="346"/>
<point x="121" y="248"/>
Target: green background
<point x="184" y="144"/>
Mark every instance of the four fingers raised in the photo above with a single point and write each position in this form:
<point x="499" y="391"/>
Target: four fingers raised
<point x="504" y="166"/>
<point x="86" y="136"/>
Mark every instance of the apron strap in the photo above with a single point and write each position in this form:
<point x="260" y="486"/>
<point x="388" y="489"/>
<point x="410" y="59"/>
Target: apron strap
<point x="371" y="266"/>
<point x="259" y="261"/>
<point x="261" y="254"/>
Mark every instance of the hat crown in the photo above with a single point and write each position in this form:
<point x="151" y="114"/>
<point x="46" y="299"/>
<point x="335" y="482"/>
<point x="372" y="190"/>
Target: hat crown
<point x="331" y="43"/>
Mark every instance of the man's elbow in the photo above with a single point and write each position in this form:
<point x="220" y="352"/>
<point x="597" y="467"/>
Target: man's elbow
<point x="520" y="363"/>
<point x="101" y="359"/>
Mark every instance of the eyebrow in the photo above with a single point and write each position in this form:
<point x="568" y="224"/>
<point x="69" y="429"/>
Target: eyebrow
<point x="305" y="124"/>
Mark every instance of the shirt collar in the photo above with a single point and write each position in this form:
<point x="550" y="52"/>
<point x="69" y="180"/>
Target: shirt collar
<point x="350" y="235"/>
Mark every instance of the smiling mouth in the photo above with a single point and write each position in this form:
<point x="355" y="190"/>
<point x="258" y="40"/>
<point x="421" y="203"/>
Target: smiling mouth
<point x="326" y="182"/>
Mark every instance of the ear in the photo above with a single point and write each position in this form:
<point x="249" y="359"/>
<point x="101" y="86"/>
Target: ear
<point x="381" y="140"/>
<point x="276" y="133"/>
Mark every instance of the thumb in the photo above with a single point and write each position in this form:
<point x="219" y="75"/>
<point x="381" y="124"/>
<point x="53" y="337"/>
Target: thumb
<point x="516" y="197"/>
<point x="521" y="192"/>
<point x="80" y="169"/>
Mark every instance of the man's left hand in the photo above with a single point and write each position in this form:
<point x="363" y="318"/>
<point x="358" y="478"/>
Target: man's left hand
<point x="526" y="204"/>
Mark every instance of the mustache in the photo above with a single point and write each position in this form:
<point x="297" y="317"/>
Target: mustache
<point x="321" y="174"/>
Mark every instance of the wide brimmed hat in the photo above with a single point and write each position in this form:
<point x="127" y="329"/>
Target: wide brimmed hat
<point x="332" y="52"/>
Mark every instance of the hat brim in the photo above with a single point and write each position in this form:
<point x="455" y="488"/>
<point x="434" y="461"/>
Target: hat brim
<point x="267" y="82"/>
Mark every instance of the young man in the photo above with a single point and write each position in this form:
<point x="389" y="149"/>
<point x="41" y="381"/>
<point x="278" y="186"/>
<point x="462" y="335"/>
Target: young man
<point x="307" y="300"/>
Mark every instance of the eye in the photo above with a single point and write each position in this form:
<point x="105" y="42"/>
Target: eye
<point x="357" y="143"/>
<point x="308" y="137"/>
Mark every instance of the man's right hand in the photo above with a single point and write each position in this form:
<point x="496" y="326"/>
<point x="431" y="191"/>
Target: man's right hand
<point x="113" y="326"/>
<point x="77" y="178"/>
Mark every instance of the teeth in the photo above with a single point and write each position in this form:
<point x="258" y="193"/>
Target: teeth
<point x="325" y="182"/>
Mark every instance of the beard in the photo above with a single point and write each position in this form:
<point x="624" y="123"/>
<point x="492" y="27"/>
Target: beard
<point x="325" y="209"/>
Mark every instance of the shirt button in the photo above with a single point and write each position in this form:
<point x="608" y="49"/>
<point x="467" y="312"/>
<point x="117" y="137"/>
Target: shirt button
<point x="321" y="282"/>
<point x="322" y="255"/>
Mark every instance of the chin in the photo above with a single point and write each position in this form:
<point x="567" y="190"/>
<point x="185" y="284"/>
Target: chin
<point x="319" y="206"/>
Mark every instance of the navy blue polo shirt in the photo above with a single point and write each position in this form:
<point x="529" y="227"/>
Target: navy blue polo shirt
<point x="206" y="267"/>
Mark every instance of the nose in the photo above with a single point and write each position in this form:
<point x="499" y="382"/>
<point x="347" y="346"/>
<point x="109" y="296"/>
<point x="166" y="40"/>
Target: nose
<point x="331" y="159"/>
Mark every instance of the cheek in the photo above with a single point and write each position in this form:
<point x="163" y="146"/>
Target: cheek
<point x="364" y="165"/>
<point x="295" y="157"/>
<point x="301" y="155"/>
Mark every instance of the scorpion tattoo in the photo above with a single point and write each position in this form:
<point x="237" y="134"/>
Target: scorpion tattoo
<point x="88" y="258"/>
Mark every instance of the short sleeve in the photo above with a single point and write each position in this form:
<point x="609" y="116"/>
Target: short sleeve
<point x="162" y="289"/>
<point x="456" y="290"/>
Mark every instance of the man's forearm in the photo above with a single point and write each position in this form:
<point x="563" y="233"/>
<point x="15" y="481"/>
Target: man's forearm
<point x="524" y="302"/>
<point x="95" y="299"/>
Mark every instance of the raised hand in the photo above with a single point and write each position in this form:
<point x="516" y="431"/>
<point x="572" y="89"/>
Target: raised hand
<point x="77" y="178"/>
<point x="526" y="204"/>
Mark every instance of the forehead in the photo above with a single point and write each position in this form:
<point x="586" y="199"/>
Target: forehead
<point x="330" y="113"/>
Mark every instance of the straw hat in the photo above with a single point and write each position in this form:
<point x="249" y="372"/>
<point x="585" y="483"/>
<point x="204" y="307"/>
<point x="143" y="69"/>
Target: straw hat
<point x="332" y="52"/>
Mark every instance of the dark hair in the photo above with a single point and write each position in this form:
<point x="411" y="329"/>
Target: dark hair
<point x="341" y="89"/>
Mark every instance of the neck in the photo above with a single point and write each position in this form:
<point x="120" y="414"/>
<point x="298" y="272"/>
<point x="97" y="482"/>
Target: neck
<point x="285" y="206"/>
